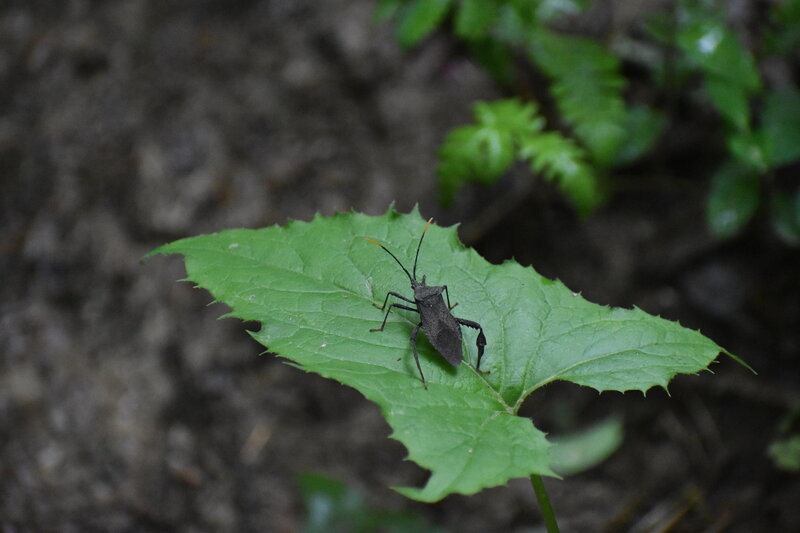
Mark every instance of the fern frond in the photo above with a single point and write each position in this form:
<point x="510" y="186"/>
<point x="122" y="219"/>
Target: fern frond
<point x="558" y="159"/>
<point x="509" y="130"/>
<point x="587" y="87"/>
<point x="483" y="151"/>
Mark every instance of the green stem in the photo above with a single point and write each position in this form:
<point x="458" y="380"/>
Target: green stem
<point x="544" y="504"/>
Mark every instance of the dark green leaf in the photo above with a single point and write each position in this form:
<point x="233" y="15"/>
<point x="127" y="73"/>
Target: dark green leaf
<point x="785" y="213"/>
<point x="717" y="51"/>
<point x="783" y="38"/>
<point x="730" y="100"/>
<point x="419" y="18"/>
<point x="780" y="126"/>
<point x="333" y="507"/>
<point x="733" y="199"/>
<point x="643" y="127"/>
<point x="517" y="19"/>
<point x="475" y="17"/>
<point x="495" y="57"/>
<point x="748" y="149"/>
<point x="786" y="453"/>
<point x="661" y="26"/>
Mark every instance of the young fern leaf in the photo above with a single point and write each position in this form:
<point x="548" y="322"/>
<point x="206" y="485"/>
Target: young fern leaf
<point x="587" y="87"/>
<point x="559" y="159"/>
<point x="485" y="150"/>
<point x="508" y="130"/>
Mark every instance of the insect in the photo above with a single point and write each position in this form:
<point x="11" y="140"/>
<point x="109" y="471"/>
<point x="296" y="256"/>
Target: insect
<point x="441" y="328"/>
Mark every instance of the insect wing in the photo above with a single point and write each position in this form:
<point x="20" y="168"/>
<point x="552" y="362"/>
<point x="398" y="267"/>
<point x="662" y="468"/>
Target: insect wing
<point x="443" y="333"/>
<point x="448" y="343"/>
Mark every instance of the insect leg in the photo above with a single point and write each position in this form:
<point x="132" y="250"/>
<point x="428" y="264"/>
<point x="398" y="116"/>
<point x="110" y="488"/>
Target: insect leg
<point x="399" y="306"/>
<point x="480" y="342"/>
<point x="447" y="293"/>
<point x="416" y="355"/>
<point x="396" y="295"/>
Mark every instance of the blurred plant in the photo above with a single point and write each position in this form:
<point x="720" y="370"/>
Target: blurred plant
<point x="785" y="450"/>
<point x="761" y="125"/>
<point x="334" y="507"/>
<point x="786" y="453"/>
<point x="594" y="129"/>
<point x="581" y="450"/>
<point x="506" y="130"/>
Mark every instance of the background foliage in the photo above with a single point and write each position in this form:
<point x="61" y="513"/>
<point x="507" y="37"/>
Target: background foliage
<point x="597" y="127"/>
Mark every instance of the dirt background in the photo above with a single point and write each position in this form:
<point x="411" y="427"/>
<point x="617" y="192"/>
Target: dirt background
<point x="125" y="405"/>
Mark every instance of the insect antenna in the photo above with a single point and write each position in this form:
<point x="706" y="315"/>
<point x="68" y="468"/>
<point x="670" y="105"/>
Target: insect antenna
<point x="416" y="257"/>
<point x="385" y="249"/>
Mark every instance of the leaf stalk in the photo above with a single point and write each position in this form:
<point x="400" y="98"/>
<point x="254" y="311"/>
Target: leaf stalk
<point x="544" y="504"/>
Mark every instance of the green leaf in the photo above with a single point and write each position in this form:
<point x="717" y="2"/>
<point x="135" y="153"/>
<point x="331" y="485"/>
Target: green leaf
<point x="785" y="214"/>
<point x="313" y="286"/>
<point x="495" y="57"/>
<point x="715" y="49"/>
<point x="780" y="126"/>
<point x="509" y="115"/>
<point x="516" y="21"/>
<point x="587" y="86"/>
<point x="733" y="200"/>
<point x="730" y="100"/>
<point x="559" y="159"/>
<point x="418" y="19"/>
<point x="473" y="153"/>
<point x="786" y="453"/>
<point x="783" y="37"/>
<point x="748" y="149"/>
<point x="483" y="151"/>
<point x="507" y="130"/>
<point x="580" y="451"/>
<point x="643" y="127"/>
<point x="475" y="17"/>
<point x="333" y="507"/>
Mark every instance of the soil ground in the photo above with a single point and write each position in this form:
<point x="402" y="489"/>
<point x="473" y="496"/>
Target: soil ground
<point x="125" y="405"/>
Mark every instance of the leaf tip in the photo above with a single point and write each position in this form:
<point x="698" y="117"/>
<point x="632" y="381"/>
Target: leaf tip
<point x="739" y="360"/>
